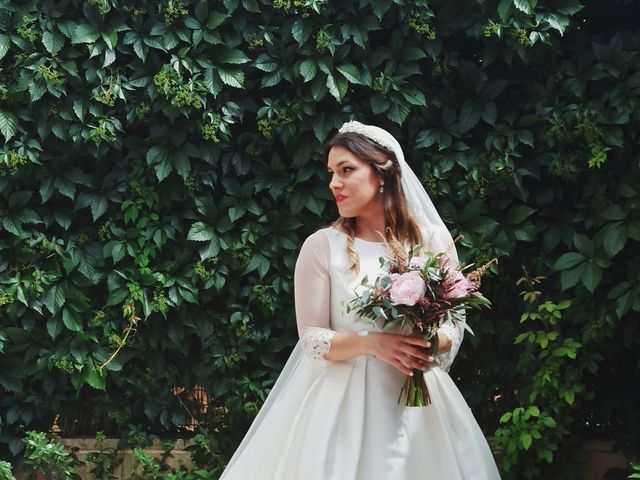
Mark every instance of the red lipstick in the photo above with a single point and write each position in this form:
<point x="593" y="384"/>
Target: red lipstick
<point x="340" y="198"/>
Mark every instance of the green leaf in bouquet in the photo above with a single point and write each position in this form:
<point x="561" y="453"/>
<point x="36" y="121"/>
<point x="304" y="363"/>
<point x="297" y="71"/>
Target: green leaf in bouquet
<point x="366" y="297"/>
<point x="380" y="313"/>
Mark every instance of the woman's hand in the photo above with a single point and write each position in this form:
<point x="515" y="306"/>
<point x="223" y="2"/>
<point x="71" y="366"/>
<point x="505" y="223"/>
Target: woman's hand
<point x="406" y="353"/>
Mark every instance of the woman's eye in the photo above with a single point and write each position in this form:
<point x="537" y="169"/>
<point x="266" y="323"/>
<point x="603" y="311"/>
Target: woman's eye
<point x="348" y="169"/>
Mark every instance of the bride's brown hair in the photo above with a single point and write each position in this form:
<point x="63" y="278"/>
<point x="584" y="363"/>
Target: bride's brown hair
<point x="399" y="222"/>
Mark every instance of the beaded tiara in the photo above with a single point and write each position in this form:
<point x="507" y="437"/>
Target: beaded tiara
<point x="368" y="131"/>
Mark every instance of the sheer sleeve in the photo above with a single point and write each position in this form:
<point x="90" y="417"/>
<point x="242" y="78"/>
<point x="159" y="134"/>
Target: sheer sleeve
<point x="454" y="330"/>
<point x="312" y="287"/>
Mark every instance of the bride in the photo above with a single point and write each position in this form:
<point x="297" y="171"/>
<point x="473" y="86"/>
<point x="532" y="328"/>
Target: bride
<point x="333" y="412"/>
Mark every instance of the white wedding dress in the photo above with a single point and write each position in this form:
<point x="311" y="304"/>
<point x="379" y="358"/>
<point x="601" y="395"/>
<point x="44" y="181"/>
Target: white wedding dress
<point x="328" y="420"/>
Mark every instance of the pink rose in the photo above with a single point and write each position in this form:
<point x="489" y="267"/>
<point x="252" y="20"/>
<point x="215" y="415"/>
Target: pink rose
<point x="407" y="289"/>
<point x="418" y="262"/>
<point x="456" y="285"/>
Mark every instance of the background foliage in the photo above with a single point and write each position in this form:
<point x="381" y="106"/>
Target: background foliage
<point x="162" y="165"/>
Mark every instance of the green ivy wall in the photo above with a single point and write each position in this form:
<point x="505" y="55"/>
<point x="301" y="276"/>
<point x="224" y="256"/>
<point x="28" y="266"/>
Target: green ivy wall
<point x="162" y="164"/>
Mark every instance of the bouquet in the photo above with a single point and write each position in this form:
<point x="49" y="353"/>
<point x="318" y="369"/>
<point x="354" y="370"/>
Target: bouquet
<point x="419" y="290"/>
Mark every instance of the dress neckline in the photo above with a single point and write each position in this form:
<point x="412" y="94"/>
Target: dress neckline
<point x="371" y="242"/>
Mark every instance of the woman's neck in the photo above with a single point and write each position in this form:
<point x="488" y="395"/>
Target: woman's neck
<point x="369" y="228"/>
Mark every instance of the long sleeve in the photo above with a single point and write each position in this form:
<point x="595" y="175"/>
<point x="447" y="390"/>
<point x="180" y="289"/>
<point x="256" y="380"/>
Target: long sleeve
<point x="441" y="242"/>
<point x="312" y="287"/>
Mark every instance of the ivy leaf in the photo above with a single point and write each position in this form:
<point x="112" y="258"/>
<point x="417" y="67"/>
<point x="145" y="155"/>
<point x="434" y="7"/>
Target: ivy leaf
<point x="526" y="439"/>
<point x="233" y="78"/>
<point x="85" y="34"/>
<point x="523" y="6"/>
<point x="614" y="212"/>
<point x="379" y="104"/>
<point x="411" y="54"/>
<point x="258" y="262"/>
<point x="188" y="295"/>
<point x="426" y="138"/>
<point x="181" y="164"/>
<point x="210" y="250"/>
<point x="336" y="87"/>
<point x="93" y="378"/>
<point x="398" y="112"/>
<point x="251" y="6"/>
<point x="118" y="251"/>
<point x="70" y="320"/>
<point x="36" y="90"/>
<point x="192" y="23"/>
<point x="568" y="260"/>
<point x="271" y="79"/>
<point x="54" y="327"/>
<point x="162" y="169"/>
<point x="212" y="81"/>
<point x="350" y="72"/>
<point x="504" y="9"/>
<point x="8" y="124"/>
<point x="380" y="7"/>
<point x="414" y="96"/>
<point x="54" y="299"/>
<point x="265" y="63"/>
<point x="634" y="230"/>
<point x="301" y="30"/>
<point x="591" y="276"/>
<point x="5" y="43"/>
<point x="318" y="88"/>
<point x="201" y="232"/>
<point x="518" y="214"/>
<point x="557" y="22"/>
<point x="215" y="20"/>
<point x="615" y="239"/>
<point x="308" y="69"/>
<point x="583" y="244"/>
<point x="235" y="213"/>
<point x="11" y="225"/>
<point x="233" y="56"/>
<point x="469" y="116"/>
<point x="98" y="207"/>
<point x="53" y="42"/>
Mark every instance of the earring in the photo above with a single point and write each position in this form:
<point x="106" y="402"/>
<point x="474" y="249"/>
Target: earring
<point x="382" y="188"/>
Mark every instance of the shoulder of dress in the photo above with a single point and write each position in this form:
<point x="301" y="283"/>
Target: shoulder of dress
<point x="321" y="237"/>
<point x="329" y="239"/>
<point x="330" y="233"/>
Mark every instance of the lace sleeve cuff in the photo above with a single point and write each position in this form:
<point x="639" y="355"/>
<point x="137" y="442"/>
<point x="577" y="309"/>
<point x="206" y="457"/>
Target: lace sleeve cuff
<point x="454" y="335"/>
<point x="316" y="341"/>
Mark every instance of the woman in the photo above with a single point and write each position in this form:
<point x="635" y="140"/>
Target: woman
<point x="333" y="413"/>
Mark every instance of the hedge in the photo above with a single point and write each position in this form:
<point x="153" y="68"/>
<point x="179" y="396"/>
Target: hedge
<point x="162" y="165"/>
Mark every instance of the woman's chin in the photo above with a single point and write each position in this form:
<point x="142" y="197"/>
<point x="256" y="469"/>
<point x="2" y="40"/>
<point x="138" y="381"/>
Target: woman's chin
<point x="346" y="212"/>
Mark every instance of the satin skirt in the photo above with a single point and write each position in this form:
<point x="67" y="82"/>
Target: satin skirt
<point x="341" y="421"/>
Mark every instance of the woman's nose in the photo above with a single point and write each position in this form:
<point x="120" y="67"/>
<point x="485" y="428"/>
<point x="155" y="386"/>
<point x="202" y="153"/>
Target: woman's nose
<point x="335" y="182"/>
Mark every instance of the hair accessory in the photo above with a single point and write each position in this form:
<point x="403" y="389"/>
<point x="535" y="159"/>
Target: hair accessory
<point x="357" y="127"/>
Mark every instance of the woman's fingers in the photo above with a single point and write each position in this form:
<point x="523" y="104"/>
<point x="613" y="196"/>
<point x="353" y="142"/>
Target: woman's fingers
<point x="418" y="341"/>
<point x="402" y="367"/>
<point x="419" y="353"/>
<point x="414" y="363"/>
<point x="406" y="353"/>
